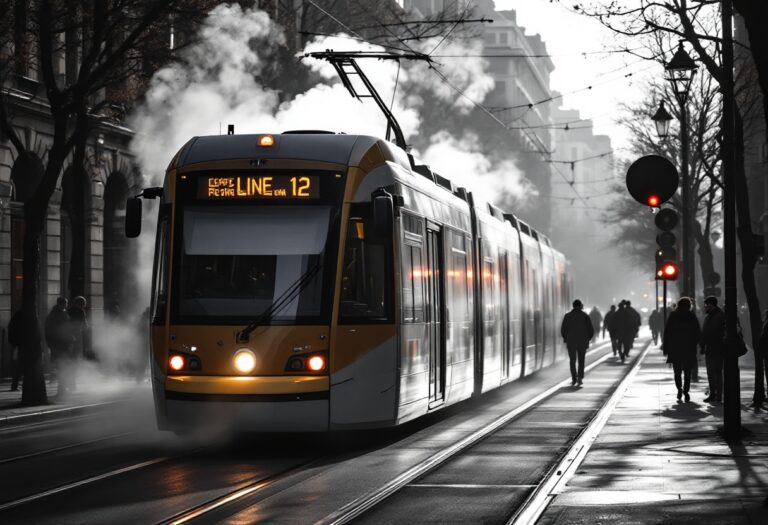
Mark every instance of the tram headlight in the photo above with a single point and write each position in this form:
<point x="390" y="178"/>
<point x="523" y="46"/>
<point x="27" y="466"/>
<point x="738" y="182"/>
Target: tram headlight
<point x="244" y="361"/>
<point x="176" y="362"/>
<point x="316" y="363"/>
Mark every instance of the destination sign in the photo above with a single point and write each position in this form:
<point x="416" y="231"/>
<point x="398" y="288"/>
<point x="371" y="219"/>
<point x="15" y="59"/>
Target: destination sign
<point x="259" y="187"/>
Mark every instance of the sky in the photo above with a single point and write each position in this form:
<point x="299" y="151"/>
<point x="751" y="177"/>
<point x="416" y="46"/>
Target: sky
<point x="567" y="34"/>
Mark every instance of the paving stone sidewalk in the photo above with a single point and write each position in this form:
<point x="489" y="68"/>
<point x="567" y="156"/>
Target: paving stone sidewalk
<point x="659" y="460"/>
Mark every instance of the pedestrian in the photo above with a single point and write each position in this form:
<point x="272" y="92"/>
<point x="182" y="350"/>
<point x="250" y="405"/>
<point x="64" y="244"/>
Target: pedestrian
<point x="597" y="318"/>
<point x="16" y="338"/>
<point x="58" y="337"/>
<point x="80" y="329"/>
<point x="655" y="324"/>
<point x="608" y="325"/>
<point x="681" y="336"/>
<point x="577" y="331"/>
<point x="762" y="345"/>
<point x="112" y="311"/>
<point x="624" y="328"/>
<point x="713" y="348"/>
<point x="636" y="322"/>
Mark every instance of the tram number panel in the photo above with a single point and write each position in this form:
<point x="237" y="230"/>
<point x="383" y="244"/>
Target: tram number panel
<point x="259" y="187"/>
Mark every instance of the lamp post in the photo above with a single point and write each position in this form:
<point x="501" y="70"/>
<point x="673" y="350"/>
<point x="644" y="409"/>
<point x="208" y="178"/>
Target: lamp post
<point x="662" y="119"/>
<point x="681" y="70"/>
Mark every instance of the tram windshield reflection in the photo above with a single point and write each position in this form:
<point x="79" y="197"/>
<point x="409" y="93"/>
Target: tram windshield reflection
<point x="237" y="260"/>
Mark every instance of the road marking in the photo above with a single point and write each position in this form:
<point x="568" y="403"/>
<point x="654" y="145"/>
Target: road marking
<point x="367" y="501"/>
<point x="564" y="470"/>
<point x="70" y="486"/>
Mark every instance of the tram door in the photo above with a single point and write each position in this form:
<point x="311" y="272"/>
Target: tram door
<point x="434" y="276"/>
<point x="504" y="314"/>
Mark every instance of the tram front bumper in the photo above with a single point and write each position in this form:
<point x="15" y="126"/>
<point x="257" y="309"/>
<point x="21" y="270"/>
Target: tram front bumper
<point x="246" y="404"/>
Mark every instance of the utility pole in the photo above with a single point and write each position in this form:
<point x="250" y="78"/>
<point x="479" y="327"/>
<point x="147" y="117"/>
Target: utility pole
<point x="731" y="387"/>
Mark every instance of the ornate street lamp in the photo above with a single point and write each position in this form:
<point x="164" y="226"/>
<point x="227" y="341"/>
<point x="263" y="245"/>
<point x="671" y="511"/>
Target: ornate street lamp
<point x="662" y="118"/>
<point x="681" y="70"/>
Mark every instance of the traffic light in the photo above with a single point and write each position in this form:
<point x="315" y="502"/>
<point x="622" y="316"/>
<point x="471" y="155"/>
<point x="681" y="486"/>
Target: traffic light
<point x="652" y="180"/>
<point x="666" y="255"/>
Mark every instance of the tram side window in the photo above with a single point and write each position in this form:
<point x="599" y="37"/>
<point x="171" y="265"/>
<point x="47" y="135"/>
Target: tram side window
<point x="488" y="290"/>
<point x="366" y="278"/>
<point x="160" y="284"/>
<point x="413" y="284"/>
<point x="458" y="280"/>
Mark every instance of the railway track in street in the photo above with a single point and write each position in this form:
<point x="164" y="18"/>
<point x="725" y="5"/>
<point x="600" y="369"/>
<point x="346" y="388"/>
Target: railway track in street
<point x="552" y="410"/>
<point x="367" y="507"/>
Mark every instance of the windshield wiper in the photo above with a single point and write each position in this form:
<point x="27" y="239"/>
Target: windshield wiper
<point x="286" y="298"/>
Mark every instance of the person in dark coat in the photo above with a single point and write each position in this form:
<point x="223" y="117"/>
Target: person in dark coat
<point x="655" y="323"/>
<point x="58" y="337"/>
<point x="762" y="344"/>
<point x="713" y="348"/>
<point x="80" y="328"/>
<point x="624" y="328"/>
<point x="681" y="336"/>
<point x="597" y="319"/>
<point x="16" y="338"/>
<point x="636" y="321"/>
<point x="577" y="331"/>
<point x="608" y="325"/>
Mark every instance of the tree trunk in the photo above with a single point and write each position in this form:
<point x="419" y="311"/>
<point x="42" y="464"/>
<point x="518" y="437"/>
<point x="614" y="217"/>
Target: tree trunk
<point x="748" y="255"/>
<point x="33" y="392"/>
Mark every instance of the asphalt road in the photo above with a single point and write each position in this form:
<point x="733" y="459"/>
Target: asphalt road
<point x="114" y="467"/>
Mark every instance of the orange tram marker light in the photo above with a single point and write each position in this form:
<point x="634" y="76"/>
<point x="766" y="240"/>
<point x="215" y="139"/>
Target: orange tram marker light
<point x="266" y="141"/>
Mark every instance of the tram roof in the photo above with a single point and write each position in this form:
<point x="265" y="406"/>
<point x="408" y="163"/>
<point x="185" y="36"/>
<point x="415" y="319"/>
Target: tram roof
<point x="315" y="146"/>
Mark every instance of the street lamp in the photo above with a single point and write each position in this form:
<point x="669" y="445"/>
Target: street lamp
<point x="681" y="70"/>
<point x="662" y="119"/>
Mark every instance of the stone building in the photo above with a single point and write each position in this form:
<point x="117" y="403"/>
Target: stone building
<point x="522" y="85"/>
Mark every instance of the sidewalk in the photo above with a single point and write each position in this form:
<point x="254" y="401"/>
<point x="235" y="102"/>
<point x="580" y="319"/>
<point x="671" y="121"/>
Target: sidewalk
<point x="658" y="460"/>
<point x="94" y="395"/>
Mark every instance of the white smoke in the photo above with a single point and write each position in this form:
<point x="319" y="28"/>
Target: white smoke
<point x="463" y="161"/>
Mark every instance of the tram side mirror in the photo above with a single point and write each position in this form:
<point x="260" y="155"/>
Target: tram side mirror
<point x="133" y="217"/>
<point x="383" y="212"/>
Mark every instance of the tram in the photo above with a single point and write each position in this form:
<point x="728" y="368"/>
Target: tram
<point x="312" y="281"/>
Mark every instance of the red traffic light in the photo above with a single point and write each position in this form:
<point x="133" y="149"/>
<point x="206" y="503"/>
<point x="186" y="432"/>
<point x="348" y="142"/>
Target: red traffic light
<point x="669" y="271"/>
<point x="653" y="201"/>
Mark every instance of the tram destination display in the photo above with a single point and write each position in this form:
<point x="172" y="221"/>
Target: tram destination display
<point x="256" y="187"/>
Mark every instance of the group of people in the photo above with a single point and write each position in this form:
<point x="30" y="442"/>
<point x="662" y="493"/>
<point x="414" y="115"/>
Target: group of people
<point x="682" y="336"/>
<point x="579" y="329"/>
<point x="67" y="335"/>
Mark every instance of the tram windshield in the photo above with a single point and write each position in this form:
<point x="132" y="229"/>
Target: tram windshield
<point x="236" y="261"/>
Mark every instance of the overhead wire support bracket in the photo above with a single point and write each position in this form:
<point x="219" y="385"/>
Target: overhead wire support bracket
<point x="345" y="64"/>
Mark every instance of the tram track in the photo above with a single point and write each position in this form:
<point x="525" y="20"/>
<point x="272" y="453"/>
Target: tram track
<point x="541" y="491"/>
<point x="62" y="448"/>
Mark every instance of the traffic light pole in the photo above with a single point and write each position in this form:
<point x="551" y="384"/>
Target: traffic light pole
<point x="731" y="386"/>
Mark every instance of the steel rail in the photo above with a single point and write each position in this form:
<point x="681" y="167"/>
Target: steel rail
<point x="248" y="489"/>
<point x="538" y="501"/>
<point x="369" y="500"/>
<point x="64" y="447"/>
<point x="80" y="483"/>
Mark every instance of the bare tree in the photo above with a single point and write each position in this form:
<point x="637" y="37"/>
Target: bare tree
<point x="100" y="42"/>
<point x="697" y="23"/>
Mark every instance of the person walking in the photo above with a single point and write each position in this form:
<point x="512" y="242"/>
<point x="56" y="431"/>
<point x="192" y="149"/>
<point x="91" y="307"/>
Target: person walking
<point x="577" y="331"/>
<point x="681" y="336"/>
<point x="80" y="329"/>
<point x="58" y="337"/>
<point x="596" y="318"/>
<point x="713" y="348"/>
<point x="16" y="338"/>
<point x="762" y="344"/>
<point x="624" y="327"/>
<point x="608" y="325"/>
<point x="636" y="322"/>
<point x="655" y="324"/>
